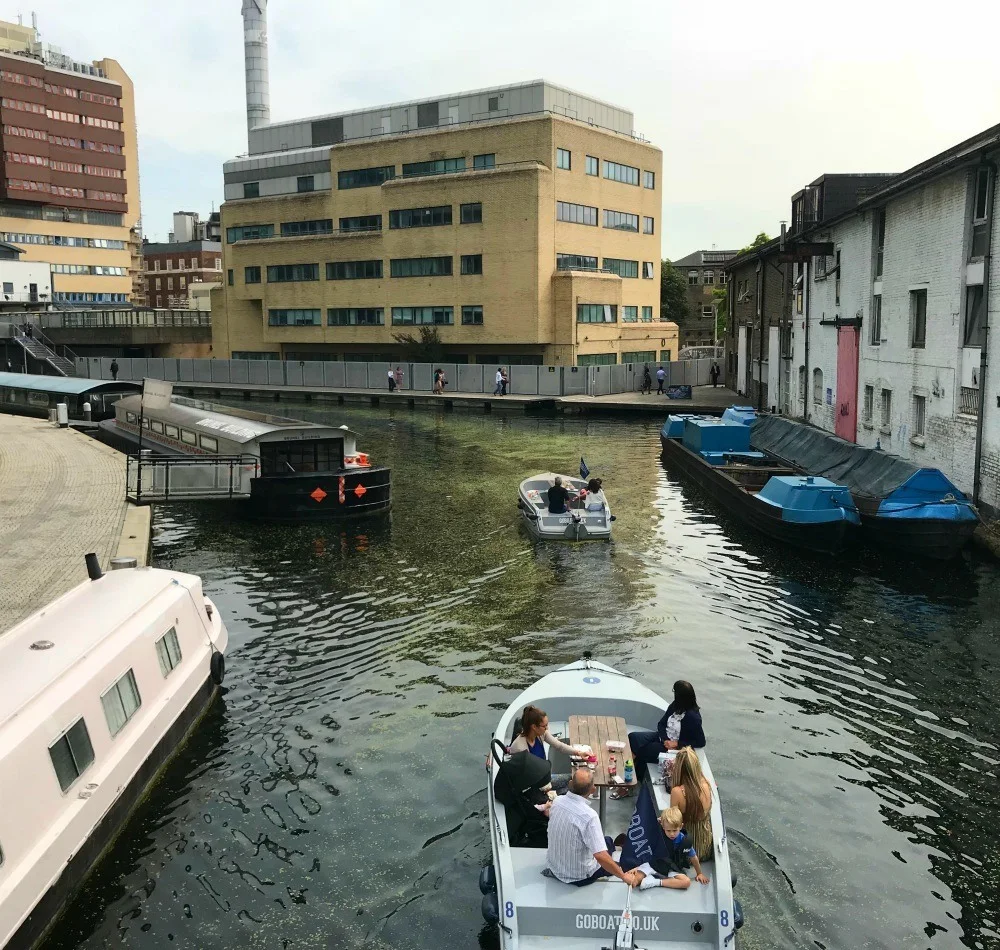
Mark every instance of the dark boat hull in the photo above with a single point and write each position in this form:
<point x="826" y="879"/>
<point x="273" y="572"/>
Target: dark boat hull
<point x="919" y="537"/>
<point x="829" y="538"/>
<point x="326" y="496"/>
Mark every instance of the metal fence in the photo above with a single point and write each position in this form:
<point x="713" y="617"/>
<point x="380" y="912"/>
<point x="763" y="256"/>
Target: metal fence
<point x="417" y="377"/>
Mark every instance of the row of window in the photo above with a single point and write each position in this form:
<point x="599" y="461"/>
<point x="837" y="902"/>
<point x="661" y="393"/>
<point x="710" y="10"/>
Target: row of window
<point x="58" y="240"/>
<point x="613" y="171"/>
<point x="63" y="191"/>
<point x="186" y="436"/>
<point x="75" y="167"/>
<point x="98" y="270"/>
<point x="707" y="277"/>
<point x="37" y="82"/>
<point x="60" y="140"/>
<point x="76" y="296"/>
<point x="73" y="752"/>
<point x="616" y="220"/>
<point x="20" y="105"/>
<point x="628" y="356"/>
<point x="608" y="313"/>
<point x="181" y="282"/>
<point x="170" y="263"/>
<point x="613" y="265"/>
<point x="472" y="315"/>
<point x="364" y="270"/>
<point x="974" y="323"/>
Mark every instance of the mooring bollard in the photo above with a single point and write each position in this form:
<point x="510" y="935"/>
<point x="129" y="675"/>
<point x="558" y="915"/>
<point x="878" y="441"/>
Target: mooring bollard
<point x="62" y="414"/>
<point x="86" y="412"/>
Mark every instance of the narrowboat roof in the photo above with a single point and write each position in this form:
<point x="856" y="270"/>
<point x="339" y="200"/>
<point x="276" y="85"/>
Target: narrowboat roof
<point x="237" y="425"/>
<point x="71" y="385"/>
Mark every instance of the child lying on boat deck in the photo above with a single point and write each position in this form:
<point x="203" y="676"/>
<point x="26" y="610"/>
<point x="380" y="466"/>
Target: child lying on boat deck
<point x="680" y="854"/>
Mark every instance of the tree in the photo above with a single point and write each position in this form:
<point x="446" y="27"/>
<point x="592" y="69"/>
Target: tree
<point x="426" y="347"/>
<point x="759" y="241"/>
<point x="720" y="300"/>
<point x="673" y="294"/>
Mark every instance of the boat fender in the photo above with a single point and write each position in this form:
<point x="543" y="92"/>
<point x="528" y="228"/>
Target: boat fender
<point x="614" y="517"/>
<point x="217" y="666"/>
<point x="491" y="908"/>
<point x="737" y="915"/>
<point x="487" y="879"/>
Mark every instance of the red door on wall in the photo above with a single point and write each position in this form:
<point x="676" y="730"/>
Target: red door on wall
<point x="846" y="425"/>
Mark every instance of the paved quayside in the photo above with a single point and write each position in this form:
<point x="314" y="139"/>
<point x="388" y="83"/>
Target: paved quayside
<point x="62" y="494"/>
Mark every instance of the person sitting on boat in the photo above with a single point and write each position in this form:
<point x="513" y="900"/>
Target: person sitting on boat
<point x="558" y="496"/>
<point x="680" y="726"/>
<point x="680" y="855"/>
<point x="691" y="793"/>
<point x="535" y="731"/>
<point x="579" y="852"/>
<point x="594" y="499"/>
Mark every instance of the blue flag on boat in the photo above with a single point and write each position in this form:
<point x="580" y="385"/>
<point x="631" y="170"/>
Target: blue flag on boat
<point x="584" y="471"/>
<point x="644" y="838"/>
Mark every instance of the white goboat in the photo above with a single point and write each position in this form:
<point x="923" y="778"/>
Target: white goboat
<point x="534" y="911"/>
<point x="576" y="524"/>
<point x="97" y="691"/>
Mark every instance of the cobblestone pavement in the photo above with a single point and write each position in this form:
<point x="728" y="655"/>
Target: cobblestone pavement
<point x="62" y="494"/>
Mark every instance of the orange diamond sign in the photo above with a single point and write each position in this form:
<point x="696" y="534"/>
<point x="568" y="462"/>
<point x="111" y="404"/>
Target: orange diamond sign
<point x="317" y="494"/>
<point x="360" y="491"/>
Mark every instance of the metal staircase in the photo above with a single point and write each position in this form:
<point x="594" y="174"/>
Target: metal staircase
<point x="43" y="350"/>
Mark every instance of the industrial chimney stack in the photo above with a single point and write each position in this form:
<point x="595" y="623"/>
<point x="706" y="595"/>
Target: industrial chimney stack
<point x="255" y="60"/>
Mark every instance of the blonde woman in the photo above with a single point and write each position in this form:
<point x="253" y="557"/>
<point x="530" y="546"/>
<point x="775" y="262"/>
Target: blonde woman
<point x="691" y="793"/>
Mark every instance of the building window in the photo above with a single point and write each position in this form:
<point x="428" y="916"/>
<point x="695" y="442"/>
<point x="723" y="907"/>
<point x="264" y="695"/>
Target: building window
<point x="472" y="315"/>
<point x="576" y="214"/>
<point x="229" y="277"/>
<point x="692" y="277"/>
<point x="639" y="356"/>
<point x="365" y="177"/>
<point x="420" y="217"/>
<point x="439" y="166"/>
<point x="626" y="174"/>
<point x="879" y="242"/>
<point x="868" y="410"/>
<point x="621" y="220"/>
<point x="630" y="314"/>
<point x="564" y="158"/>
<point x="836" y="282"/>
<point x="364" y="222"/>
<point x="294" y="318"/>
<point x="876" y="330"/>
<point x="243" y="355"/>
<point x="493" y="104"/>
<point x="596" y="313"/>
<point x="156" y="265"/>
<point x="305" y="228"/>
<point x="484" y="161"/>
<point x="597" y="359"/>
<point x="182" y="282"/>
<point x="621" y="267"/>
<point x="249" y="232"/>
<point x="707" y="312"/>
<point x="975" y="316"/>
<point x="170" y="283"/>
<point x="918" y="319"/>
<point x="170" y="263"/>
<point x="251" y="275"/>
<point x="648" y="179"/>
<point x="420" y="267"/>
<point x="251" y="189"/>
<point x="575" y="262"/>
<point x="471" y="213"/>
<point x="168" y="650"/>
<point x="354" y="270"/>
<point x="708" y="277"/>
<point x="158" y="282"/>
<point x="919" y="416"/>
<point x="417" y="316"/>
<point x="355" y="316"/>
<point x="647" y="314"/>
<point x="802" y="384"/>
<point x="121" y="703"/>
<point x="723" y="277"/>
<point x="288" y="273"/>
<point x="592" y="166"/>
<point x="818" y="386"/>
<point x="71" y="754"/>
<point x="647" y="224"/>
<point x="886" y="408"/>
<point x="472" y="263"/>
<point x="304" y="183"/>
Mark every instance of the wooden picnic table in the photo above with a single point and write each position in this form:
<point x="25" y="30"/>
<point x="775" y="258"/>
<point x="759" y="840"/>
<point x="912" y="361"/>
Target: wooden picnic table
<point x="596" y="731"/>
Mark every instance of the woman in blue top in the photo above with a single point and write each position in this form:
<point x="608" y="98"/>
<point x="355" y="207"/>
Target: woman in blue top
<point x="679" y="727"/>
<point x="535" y="732"/>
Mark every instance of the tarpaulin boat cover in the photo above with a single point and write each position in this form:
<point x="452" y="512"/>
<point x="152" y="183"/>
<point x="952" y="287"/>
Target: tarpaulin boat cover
<point x="867" y="472"/>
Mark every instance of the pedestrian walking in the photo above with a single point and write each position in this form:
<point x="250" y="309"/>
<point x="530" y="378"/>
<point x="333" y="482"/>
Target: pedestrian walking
<point x="114" y="369"/>
<point x="499" y="381"/>
<point x="399" y="377"/>
<point x="661" y="377"/>
<point x="504" y="381"/>
<point x="392" y="380"/>
<point x="647" y="381"/>
<point x="714" y="373"/>
<point x="440" y="381"/>
<point x="28" y="330"/>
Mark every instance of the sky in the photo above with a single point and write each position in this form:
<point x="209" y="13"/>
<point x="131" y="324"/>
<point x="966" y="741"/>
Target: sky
<point x="748" y="101"/>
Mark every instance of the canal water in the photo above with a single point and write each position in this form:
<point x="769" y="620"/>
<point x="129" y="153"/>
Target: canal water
<point x="334" y="796"/>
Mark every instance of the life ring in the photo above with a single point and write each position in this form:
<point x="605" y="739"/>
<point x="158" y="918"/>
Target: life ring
<point x="217" y="667"/>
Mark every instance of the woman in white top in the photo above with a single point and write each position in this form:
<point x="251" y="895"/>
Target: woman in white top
<point x="535" y="731"/>
<point x="595" y="500"/>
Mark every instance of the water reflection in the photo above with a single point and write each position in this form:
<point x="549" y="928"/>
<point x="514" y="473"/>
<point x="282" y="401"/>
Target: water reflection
<point x="335" y="797"/>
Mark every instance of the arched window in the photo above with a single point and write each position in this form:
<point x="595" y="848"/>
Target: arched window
<point x="818" y="386"/>
<point x="692" y="277"/>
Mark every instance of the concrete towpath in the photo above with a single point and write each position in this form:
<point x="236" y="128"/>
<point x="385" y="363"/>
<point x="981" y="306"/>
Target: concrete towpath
<point x="62" y="494"/>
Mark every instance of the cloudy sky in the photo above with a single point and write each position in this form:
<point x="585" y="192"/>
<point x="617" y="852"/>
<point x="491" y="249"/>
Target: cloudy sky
<point x="749" y="101"/>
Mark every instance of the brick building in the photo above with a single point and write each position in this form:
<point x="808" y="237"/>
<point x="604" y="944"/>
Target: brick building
<point x="702" y="271"/>
<point x="170" y="269"/>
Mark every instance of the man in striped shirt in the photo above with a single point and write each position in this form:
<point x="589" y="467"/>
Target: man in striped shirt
<point x="579" y="852"/>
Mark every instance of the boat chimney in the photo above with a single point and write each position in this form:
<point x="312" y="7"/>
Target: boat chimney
<point x="93" y="567"/>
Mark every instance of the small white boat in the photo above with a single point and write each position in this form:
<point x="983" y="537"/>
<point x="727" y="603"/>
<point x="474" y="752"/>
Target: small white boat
<point x="578" y="523"/>
<point x="97" y="691"/>
<point x="534" y="911"/>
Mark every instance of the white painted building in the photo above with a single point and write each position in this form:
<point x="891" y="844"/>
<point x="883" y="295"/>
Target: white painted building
<point x="23" y="282"/>
<point x="887" y="337"/>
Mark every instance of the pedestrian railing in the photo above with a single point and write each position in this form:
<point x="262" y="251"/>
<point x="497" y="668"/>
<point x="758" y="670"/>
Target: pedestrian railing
<point x="164" y="478"/>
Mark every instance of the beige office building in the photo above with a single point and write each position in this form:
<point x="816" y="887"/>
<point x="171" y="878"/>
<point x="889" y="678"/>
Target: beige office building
<point x="522" y="222"/>
<point x="69" y="192"/>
